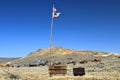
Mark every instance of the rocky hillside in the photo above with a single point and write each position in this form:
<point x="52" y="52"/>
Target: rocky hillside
<point x="60" y="54"/>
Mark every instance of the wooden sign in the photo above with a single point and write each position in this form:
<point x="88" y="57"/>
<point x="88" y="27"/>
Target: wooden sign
<point x="57" y="70"/>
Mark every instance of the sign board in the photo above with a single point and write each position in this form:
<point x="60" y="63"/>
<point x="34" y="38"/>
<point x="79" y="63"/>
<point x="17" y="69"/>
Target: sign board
<point x="57" y="70"/>
<point x="78" y="71"/>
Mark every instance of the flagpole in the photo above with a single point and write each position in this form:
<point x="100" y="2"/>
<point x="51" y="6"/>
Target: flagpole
<point x="51" y="27"/>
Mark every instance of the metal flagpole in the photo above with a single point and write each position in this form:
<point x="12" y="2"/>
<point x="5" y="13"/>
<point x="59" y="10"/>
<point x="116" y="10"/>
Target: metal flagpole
<point x="51" y="27"/>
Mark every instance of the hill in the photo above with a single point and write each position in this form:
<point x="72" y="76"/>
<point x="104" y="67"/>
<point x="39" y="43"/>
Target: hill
<point x="60" y="54"/>
<point x="5" y="60"/>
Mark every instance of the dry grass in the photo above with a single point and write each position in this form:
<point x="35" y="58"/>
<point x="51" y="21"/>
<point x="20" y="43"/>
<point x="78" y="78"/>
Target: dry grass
<point x="41" y="73"/>
<point x="107" y="69"/>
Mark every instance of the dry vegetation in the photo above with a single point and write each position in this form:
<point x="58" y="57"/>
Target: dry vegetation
<point x="41" y="73"/>
<point x="107" y="69"/>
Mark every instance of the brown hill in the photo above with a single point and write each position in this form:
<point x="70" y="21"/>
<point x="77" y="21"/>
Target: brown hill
<point x="59" y="54"/>
<point x="5" y="60"/>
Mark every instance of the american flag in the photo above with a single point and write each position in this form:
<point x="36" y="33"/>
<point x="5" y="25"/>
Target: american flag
<point x="54" y="9"/>
<point x="55" y="13"/>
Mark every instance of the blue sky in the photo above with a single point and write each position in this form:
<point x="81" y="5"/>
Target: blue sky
<point x="82" y="25"/>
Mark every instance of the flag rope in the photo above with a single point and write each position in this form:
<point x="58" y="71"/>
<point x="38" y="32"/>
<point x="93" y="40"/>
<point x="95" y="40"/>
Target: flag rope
<point x="51" y="27"/>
